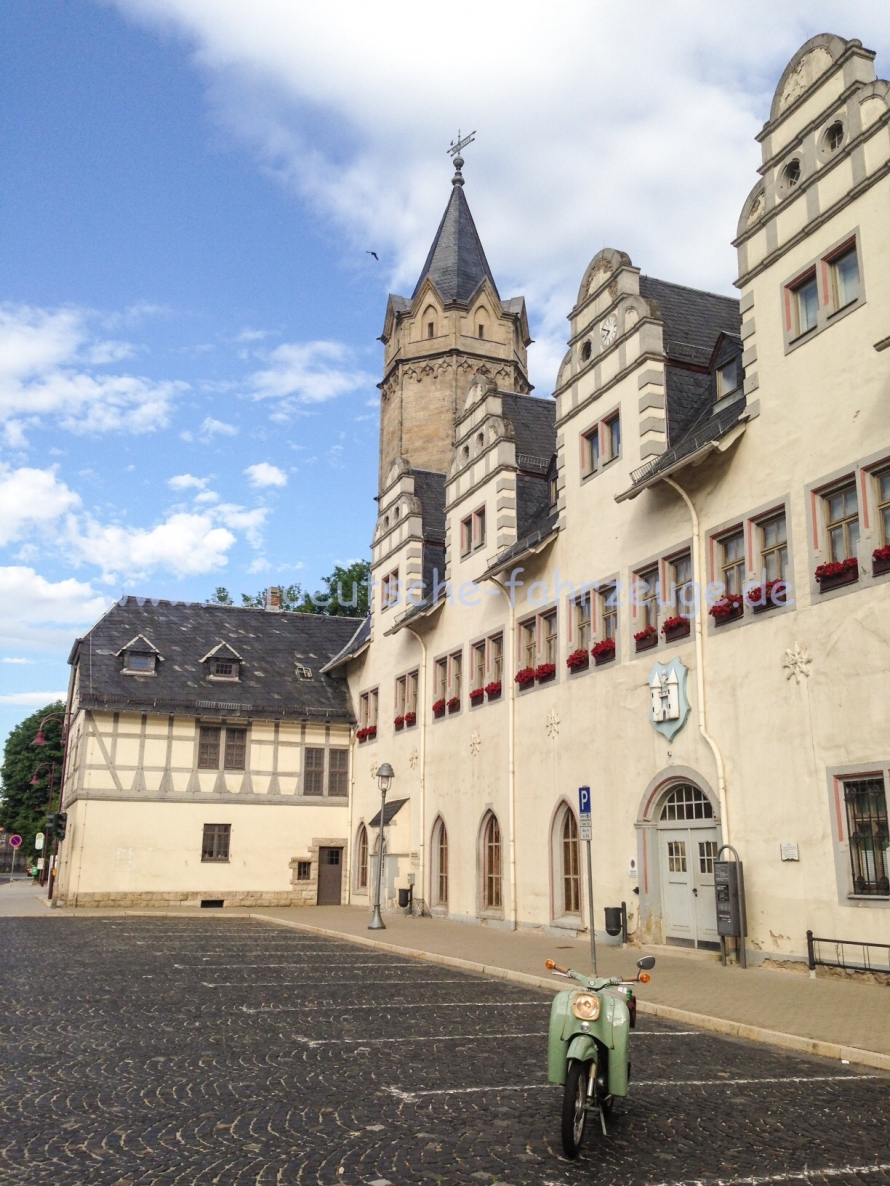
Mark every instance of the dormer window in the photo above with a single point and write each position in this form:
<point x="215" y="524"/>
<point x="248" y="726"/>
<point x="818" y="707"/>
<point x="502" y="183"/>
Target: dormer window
<point x="728" y="378"/>
<point x="223" y="663"/>
<point x="144" y="664"/>
<point x="139" y="657"/>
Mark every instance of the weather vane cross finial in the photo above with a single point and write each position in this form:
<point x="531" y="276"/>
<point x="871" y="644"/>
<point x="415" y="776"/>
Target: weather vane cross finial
<point x="457" y="145"/>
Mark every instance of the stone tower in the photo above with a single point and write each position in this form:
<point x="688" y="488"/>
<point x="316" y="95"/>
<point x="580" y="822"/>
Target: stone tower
<point x="455" y="326"/>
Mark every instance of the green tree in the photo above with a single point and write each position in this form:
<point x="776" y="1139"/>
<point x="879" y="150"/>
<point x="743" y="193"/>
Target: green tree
<point x="23" y="807"/>
<point x="344" y="594"/>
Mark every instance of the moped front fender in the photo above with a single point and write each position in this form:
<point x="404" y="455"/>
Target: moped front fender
<point x="582" y="1047"/>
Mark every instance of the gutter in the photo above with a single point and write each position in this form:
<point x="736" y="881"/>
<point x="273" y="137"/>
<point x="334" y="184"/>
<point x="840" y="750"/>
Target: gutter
<point x="421" y="708"/>
<point x="700" y="661"/>
<point x="511" y="756"/>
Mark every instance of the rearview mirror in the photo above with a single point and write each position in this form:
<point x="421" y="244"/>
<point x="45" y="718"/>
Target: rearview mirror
<point x="647" y="962"/>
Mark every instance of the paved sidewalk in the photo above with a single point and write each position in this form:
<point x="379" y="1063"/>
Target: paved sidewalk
<point x="22" y="897"/>
<point x="833" y="1017"/>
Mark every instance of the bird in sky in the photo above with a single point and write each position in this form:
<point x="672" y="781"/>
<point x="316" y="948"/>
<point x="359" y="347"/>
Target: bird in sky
<point x="374" y="253"/>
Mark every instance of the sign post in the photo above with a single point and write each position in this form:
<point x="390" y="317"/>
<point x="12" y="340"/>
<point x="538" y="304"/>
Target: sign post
<point x="586" y="836"/>
<point x="14" y="844"/>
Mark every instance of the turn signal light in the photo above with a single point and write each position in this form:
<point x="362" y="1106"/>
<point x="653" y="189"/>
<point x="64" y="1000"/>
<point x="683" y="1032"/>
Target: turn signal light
<point x="645" y="978"/>
<point x="550" y="964"/>
<point x="586" y="1006"/>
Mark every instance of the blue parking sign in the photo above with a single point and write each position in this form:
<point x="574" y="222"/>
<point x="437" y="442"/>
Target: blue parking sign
<point x="584" y="800"/>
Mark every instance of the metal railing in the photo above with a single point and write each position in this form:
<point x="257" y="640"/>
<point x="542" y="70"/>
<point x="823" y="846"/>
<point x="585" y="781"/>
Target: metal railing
<point x="865" y="962"/>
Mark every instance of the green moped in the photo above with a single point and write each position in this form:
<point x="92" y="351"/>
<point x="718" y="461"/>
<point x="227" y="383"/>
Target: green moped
<point x="589" y="1046"/>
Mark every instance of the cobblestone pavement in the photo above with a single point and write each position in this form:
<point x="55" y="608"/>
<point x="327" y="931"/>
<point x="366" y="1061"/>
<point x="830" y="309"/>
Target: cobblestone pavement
<point x="143" y="1051"/>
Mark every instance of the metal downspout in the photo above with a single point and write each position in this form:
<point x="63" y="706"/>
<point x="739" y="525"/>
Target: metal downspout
<point x="511" y="763"/>
<point x="700" y="657"/>
<point x="421" y="710"/>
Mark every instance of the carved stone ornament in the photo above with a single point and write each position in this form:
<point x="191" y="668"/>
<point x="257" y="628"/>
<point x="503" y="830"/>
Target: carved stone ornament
<point x="668" y="702"/>
<point x="797" y="663"/>
<point x="553" y="722"/>
<point x="475" y="742"/>
<point x="804" y="74"/>
<point x="414" y="758"/>
<point x="373" y="769"/>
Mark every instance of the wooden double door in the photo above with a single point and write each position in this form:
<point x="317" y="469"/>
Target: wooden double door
<point x="689" y="913"/>
<point x="330" y="876"/>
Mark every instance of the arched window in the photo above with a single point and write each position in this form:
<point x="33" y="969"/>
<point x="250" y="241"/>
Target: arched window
<point x="571" y="865"/>
<point x="440" y="856"/>
<point x="361" y="868"/>
<point x="492" y="897"/>
<point x="429" y="322"/>
<point x="686" y="802"/>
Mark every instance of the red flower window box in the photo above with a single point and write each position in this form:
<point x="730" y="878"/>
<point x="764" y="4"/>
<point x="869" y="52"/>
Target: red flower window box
<point x="454" y="704"/>
<point x="366" y="734"/>
<point x="728" y="609"/>
<point x="604" y="651"/>
<point x="477" y="695"/>
<point x="525" y="676"/>
<point x="675" y="627"/>
<point x="646" y="638"/>
<point x="880" y="561"/>
<point x="410" y="718"/>
<point x="768" y="596"/>
<point x="578" y="660"/>
<point x="399" y="722"/>
<point x="438" y="708"/>
<point x="837" y="573"/>
<point x="545" y="671"/>
<point x="493" y="690"/>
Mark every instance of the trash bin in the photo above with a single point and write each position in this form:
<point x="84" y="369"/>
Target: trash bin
<point x="613" y="920"/>
<point x="405" y="897"/>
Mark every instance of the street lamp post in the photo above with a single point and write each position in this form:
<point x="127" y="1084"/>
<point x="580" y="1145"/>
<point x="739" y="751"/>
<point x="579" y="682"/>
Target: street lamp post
<point x="385" y="776"/>
<point x="40" y="740"/>
<point x="35" y="782"/>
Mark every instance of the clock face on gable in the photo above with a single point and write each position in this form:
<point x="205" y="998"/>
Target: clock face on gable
<point x="609" y="330"/>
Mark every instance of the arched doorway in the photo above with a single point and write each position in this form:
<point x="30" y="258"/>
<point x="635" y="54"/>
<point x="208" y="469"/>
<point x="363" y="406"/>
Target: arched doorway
<point x="565" y="850"/>
<point x="688" y="840"/>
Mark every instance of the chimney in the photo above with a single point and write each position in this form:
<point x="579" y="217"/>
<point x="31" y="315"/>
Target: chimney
<point x="273" y="600"/>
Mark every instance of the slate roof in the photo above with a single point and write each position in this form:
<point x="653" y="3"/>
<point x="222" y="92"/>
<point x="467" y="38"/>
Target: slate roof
<point x="354" y="647"/>
<point x="533" y="421"/>
<point x="456" y="263"/>
<point x="429" y="487"/>
<point x="272" y="646"/>
<point x="692" y="319"/>
<point x="390" y="811"/>
<point x="529" y="542"/>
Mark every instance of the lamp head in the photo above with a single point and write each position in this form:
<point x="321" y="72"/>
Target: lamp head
<point x="385" y="775"/>
<point x="39" y="739"/>
<point x="35" y="781"/>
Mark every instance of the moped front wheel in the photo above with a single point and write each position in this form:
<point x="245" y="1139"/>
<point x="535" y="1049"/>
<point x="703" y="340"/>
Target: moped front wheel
<point x="574" y="1107"/>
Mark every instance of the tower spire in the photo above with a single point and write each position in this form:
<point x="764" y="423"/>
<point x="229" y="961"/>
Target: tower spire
<point x="456" y="263"/>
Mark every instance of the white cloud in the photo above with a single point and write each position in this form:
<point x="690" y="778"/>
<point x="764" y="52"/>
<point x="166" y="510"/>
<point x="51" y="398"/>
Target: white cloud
<point x="32" y="699"/>
<point x="211" y="428"/>
<point x="187" y="482"/>
<point x="31" y="499"/>
<point x="11" y="659"/>
<point x="600" y="124"/>
<point x="264" y="474"/>
<point x="47" y="361"/>
<point x="184" y="544"/>
<point x="307" y="373"/>
<point x="35" y="612"/>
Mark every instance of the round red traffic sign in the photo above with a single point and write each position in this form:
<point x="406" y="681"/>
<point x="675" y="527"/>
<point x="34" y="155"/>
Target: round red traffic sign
<point x="15" y="841"/>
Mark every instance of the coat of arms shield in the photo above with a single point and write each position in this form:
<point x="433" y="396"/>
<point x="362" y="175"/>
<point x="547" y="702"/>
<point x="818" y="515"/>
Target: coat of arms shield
<point x="669" y="704"/>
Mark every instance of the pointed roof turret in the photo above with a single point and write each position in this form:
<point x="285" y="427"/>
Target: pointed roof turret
<point x="456" y="263"/>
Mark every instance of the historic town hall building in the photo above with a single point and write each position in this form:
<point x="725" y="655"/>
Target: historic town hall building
<point x="667" y="581"/>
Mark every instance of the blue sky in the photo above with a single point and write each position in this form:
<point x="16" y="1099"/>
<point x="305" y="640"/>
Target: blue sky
<point x="188" y="313"/>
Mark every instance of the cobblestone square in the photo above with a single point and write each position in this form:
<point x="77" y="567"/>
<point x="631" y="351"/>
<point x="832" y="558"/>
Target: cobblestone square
<point x="150" y="1051"/>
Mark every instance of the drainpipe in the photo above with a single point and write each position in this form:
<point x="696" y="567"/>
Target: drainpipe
<point x="697" y="569"/>
<point x="350" y="843"/>
<point x="511" y="734"/>
<point x="421" y="711"/>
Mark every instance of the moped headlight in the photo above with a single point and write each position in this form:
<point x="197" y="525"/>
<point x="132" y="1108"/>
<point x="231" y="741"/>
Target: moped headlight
<point x="586" y="1006"/>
